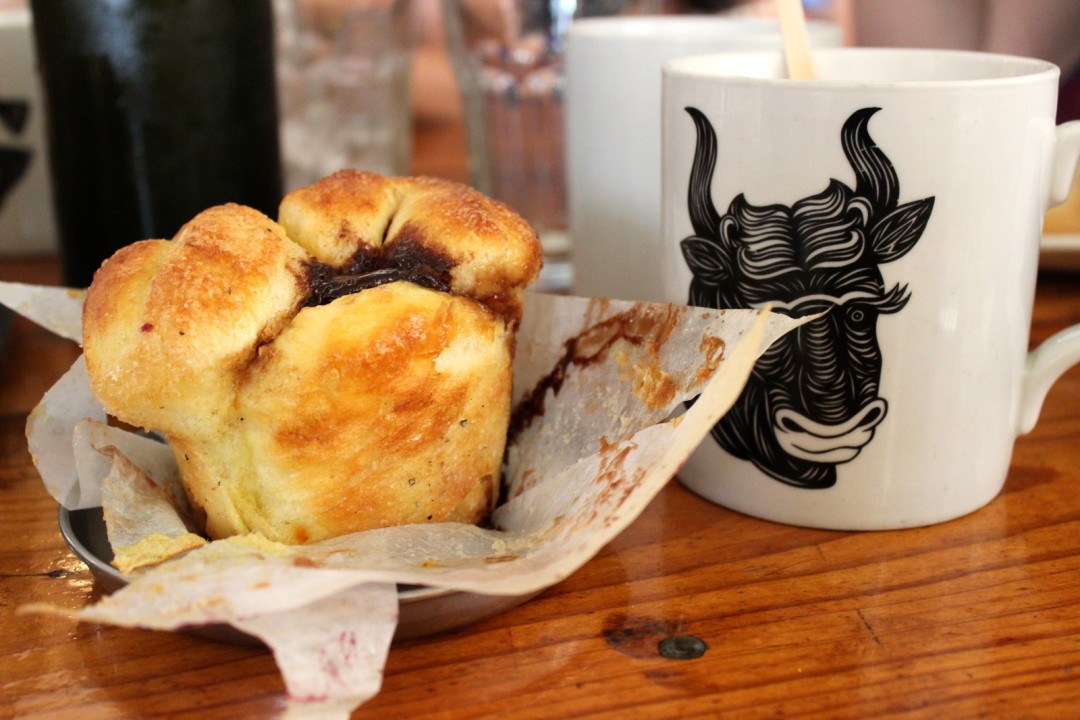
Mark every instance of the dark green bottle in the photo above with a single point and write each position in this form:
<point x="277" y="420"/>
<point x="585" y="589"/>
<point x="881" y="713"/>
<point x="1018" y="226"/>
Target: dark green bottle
<point x="157" y="109"/>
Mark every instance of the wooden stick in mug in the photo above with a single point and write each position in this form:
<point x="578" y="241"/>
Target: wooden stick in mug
<point x="796" y="39"/>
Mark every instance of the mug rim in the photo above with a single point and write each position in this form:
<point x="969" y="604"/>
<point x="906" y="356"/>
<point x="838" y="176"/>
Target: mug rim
<point x="1024" y="70"/>
<point x="639" y="27"/>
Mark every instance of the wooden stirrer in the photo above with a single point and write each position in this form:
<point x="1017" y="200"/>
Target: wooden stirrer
<point x="796" y="39"/>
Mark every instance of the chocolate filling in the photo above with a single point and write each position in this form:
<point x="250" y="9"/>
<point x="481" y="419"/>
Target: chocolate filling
<point x="405" y="261"/>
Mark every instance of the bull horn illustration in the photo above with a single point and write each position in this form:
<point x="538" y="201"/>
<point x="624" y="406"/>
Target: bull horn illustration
<point x="875" y="175"/>
<point x="703" y="215"/>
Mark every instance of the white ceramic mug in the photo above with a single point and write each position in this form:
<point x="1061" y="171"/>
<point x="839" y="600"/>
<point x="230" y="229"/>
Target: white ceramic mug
<point x="901" y="195"/>
<point x="27" y="225"/>
<point x="613" y="136"/>
<point x="509" y="60"/>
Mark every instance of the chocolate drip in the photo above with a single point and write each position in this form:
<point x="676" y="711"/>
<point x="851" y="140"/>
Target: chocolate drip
<point x="637" y="326"/>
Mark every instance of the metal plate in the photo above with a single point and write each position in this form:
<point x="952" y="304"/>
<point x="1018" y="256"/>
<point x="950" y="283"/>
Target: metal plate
<point x="424" y="611"/>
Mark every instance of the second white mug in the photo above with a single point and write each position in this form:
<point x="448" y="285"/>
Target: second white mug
<point x="613" y="136"/>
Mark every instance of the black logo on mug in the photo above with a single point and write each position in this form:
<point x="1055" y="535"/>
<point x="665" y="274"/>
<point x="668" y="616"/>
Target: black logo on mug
<point x="812" y="401"/>
<point x="13" y="161"/>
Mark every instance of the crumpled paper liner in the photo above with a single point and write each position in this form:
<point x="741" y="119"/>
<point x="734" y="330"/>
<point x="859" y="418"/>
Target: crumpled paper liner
<point x="601" y="383"/>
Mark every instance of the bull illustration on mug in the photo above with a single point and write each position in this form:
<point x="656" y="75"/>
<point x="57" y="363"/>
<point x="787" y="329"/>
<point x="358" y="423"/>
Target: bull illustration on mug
<point x="812" y="401"/>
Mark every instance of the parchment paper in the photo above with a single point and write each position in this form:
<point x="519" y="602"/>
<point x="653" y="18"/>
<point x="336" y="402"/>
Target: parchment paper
<point x="603" y="384"/>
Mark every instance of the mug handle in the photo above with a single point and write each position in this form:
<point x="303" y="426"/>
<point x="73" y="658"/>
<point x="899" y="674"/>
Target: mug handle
<point x="1048" y="362"/>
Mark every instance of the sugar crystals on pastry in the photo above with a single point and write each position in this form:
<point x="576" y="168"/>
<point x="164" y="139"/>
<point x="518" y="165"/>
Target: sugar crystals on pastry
<point x="346" y="369"/>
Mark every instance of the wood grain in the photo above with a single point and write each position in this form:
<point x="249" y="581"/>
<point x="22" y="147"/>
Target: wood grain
<point x="979" y="617"/>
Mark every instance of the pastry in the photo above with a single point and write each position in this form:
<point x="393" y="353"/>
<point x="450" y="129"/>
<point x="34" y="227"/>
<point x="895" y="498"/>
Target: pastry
<point x="345" y="368"/>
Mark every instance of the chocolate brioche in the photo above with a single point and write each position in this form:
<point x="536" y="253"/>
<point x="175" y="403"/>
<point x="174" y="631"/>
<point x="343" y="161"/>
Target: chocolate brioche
<point x="344" y="369"/>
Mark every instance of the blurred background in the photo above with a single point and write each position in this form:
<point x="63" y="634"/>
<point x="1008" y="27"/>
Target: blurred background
<point x="372" y="84"/>
<point x="358" y="78"/>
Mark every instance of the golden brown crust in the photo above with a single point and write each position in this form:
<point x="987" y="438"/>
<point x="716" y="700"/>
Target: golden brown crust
<point x="492" y="253"/>
<point x="162" y="317"/>
<point x="386" y="406"/>
<point x="340" y="215"/>
<point x="389" y="405"/>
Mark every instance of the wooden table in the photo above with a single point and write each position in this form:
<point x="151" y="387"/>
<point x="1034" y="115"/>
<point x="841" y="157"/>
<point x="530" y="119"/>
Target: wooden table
<point x="979" y="617"/>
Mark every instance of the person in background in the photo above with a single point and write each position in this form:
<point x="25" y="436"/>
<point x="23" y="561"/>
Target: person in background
<point x="1045" y="29"/>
